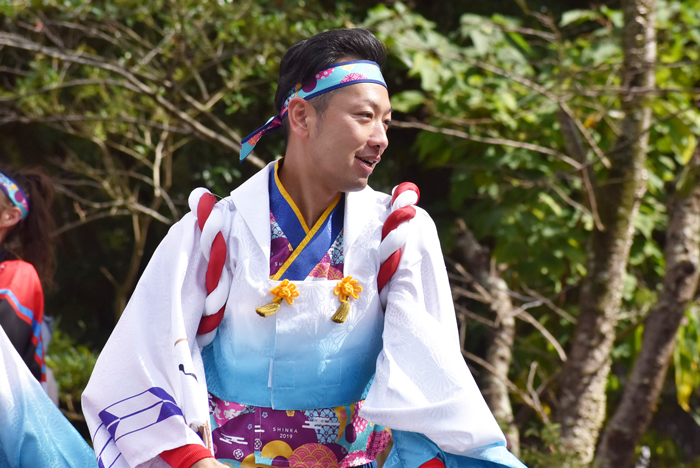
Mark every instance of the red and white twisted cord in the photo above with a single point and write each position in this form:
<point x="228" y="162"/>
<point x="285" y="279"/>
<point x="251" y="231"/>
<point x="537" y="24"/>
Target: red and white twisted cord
<point x="395" y="233"/>
<point x="218" y="277"/>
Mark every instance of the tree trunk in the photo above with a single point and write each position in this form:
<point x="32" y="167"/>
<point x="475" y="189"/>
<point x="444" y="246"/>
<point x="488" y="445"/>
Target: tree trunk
<point x="584" y="376"/>
<point x="499" y="354"/>
<point x="682" y="253"/>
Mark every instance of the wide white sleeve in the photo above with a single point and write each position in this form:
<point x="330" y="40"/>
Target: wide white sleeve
<point x="148" y="389"/>
<point x="422" y="384"/>
<point x="33" y="431"/>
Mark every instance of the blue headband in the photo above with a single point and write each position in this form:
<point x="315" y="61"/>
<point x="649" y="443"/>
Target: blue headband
<point x="14" y="193"/>
<point x="328" y="79"/>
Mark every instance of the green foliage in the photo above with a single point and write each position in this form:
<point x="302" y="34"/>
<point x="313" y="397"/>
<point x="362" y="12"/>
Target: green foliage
<point x="664" y="451"/>
<point x="686" y="360"/>
<point x="71" y="364"/>
<point x="533" y="98"/>
<point x="548" y="453"/>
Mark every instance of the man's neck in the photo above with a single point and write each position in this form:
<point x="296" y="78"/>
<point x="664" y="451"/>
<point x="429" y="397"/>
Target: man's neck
<point x="311" y="198"/>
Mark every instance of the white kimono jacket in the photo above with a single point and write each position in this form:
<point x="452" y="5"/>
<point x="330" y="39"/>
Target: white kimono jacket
<point x="148" y="393"/>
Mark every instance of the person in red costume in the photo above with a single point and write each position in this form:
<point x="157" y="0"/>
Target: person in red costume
<point x="26" y="260"/>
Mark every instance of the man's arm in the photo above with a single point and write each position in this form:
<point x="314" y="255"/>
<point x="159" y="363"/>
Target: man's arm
<point x="423" y="389"/>
<point x="189" y="456"/>
<point x="139" y="402"/>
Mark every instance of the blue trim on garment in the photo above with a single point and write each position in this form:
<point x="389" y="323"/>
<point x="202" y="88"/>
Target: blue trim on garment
<point x="36" y="326"/>
<point x="284" y="215"/>
<point x="290" y="224"/>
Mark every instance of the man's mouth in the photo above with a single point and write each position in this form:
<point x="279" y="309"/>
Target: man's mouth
<point x="370" y="162"/>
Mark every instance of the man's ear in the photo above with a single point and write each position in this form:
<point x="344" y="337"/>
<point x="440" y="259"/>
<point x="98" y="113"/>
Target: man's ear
<point x="10" y="217"/>
<point x="301" y="115"/>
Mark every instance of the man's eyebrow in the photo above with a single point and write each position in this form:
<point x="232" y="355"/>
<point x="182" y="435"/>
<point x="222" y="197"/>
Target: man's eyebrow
<point x="374" y="104"/>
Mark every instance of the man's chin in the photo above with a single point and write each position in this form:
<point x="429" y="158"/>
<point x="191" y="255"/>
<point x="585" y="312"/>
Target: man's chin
<point x="357" y="185"/>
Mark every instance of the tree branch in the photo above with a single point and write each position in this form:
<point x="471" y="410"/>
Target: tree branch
<point x="488" y="140"/>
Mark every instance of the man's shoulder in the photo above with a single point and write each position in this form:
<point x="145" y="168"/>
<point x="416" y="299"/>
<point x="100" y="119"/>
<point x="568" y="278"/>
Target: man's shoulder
<point x="374" y="198"/>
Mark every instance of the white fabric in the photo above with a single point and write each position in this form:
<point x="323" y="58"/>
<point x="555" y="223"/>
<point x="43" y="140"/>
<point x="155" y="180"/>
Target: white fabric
<point x="311" y="351"/>
<point x="154" y="337"/>
<point x="422" y="383"/>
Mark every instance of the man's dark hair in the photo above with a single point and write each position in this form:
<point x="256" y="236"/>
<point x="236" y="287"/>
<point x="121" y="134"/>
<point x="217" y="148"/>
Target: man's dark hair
<point x="306" y="58"/>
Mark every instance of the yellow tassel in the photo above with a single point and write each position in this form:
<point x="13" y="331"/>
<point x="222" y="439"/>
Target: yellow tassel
<point x="341" y="315"/>
<point x="269" y="309"/>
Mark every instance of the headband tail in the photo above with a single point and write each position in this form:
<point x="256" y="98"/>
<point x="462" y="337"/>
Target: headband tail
<point x="249" y="142"/>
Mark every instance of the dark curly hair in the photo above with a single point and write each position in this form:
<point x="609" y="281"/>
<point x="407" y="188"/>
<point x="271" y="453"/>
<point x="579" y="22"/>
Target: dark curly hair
<point x="31" y="239"/>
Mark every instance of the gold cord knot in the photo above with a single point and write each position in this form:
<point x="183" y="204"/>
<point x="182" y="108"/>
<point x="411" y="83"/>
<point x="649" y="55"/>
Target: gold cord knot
<point x="346" y="288"/>
<point x="285" y="291"/>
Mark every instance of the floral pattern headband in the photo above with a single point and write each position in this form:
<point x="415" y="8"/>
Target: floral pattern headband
<point x="328" y="79"/>
<point x="14" y="193"/>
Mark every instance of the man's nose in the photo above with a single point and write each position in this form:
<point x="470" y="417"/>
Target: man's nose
<point x="379" y="139"/>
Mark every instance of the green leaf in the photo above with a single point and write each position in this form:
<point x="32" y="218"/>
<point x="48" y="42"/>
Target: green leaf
<point x="686" y="358"/>
<point x="480" y="40"/>
<point x="688" y="148"/>
<point x="577" y="16"/>
<point x="613" y="15"/>
<point x="407" y="101"/>
<point x="520" y="41"/>
<point x="549" y="201"/>
<point x="427" y="68"/>
<point x="629" y="287"/>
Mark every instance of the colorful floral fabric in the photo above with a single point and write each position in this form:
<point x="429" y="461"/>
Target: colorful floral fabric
<point x="321" y="438"/>
<point x="330" y="266"/>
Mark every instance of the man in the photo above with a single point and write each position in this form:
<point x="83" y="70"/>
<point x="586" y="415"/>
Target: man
<point x="306" y="366"/>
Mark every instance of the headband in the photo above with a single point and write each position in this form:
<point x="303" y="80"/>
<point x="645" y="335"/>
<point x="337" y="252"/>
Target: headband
<point x="328" y="79"/>
<point x="14" y="193"/>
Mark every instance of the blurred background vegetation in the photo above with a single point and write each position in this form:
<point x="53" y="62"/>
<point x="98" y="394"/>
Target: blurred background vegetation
<point x="510" y="115"/>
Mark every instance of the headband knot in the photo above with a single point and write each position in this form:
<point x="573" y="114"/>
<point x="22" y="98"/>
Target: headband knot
<point x="14" y="193"/>
<point x="328" y="79"/>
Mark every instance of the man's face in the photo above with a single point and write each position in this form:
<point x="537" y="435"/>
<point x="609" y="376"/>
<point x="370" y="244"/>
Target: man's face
<point x="350" y="137"/>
